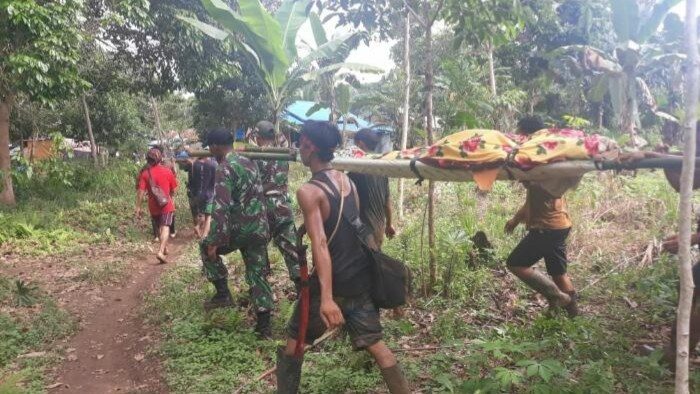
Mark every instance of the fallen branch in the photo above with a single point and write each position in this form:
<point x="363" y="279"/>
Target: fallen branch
<point x="424" y="349"/>
<point x="272" y="370"/>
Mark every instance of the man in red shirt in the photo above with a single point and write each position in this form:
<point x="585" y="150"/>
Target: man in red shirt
<point x="157" y="175"/>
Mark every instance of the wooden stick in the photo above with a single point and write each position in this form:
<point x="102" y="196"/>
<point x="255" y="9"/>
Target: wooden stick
<point x="272" y="370"/>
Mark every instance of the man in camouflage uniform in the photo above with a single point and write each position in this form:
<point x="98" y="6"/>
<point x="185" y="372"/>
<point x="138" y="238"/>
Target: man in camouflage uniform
<point x="238" y="222"/>
<point x="275" y="177"/>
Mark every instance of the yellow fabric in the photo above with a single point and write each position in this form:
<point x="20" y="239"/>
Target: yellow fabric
<point x="551" y="145"/>
<point x="468" y="147"/>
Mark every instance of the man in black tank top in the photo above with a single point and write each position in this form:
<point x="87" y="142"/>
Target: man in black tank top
<point x="340" y="286"/>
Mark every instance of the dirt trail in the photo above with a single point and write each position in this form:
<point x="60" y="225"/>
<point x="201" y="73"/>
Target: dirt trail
<point x="110" y="352"/>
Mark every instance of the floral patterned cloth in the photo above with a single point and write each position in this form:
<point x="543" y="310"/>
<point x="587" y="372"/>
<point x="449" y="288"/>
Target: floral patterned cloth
<point x="552" y="145"/>
<point x="484" y="151"/>
<point x="474" y="149"/>
<point x="466" y="149"/>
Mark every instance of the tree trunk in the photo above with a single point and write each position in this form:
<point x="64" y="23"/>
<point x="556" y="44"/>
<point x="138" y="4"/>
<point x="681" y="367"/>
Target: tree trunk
<point x="7" y="196"/>
<point x="407" y="100"/>
<point x="334" y="101"/>
<point x="492" y="69"/>
<point x="429" y="129"/>
<point x="601" y="111"/>
<point x="686" y="200"/>
<point x="159" y="129"/>
<point x="35" y="138"/>
<point x="630" y="110"/>
<point x="88" y="124"/>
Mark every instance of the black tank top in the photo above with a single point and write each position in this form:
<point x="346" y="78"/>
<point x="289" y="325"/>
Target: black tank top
<point x="351" y="270"/>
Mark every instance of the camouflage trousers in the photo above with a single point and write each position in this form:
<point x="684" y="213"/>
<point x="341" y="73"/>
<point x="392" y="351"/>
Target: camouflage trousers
<point x="256" y="271"/>
<point x="283" y="231"/>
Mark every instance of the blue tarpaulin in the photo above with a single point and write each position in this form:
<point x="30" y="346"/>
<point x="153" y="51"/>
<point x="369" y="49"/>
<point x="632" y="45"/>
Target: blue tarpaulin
<point x="295" y="113"/>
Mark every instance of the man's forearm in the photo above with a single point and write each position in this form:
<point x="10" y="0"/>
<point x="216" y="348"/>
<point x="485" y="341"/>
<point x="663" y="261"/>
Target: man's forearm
<point x="322" y="262"/>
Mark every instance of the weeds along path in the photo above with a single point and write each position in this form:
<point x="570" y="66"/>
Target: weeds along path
<point x="110" y="352"/>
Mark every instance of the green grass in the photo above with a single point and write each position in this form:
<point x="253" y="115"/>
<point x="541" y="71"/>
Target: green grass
<point x="27" y="329"/>
<point x="62" y="211"/>
<point x="490" y="332"/>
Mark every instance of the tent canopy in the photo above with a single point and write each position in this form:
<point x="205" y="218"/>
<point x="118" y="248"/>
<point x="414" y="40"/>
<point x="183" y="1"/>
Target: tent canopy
<point x="296" y="113"/>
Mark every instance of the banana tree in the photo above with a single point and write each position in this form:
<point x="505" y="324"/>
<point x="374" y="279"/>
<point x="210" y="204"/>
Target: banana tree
<point x="618" y="73"/>
<point x="270" y="40"/>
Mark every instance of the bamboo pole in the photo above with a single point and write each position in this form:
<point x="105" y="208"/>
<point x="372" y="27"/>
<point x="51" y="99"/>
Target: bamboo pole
<point x="686" y="200"/>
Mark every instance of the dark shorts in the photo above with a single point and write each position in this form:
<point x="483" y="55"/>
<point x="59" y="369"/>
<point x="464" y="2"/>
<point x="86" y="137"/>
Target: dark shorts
<point x="361" y="319"/>
<point x="158" y="221"/>
<point x="538" y="244"/>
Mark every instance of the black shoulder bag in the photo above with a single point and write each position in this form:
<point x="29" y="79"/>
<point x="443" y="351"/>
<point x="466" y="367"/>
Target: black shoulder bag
<point x="391" y="278"/>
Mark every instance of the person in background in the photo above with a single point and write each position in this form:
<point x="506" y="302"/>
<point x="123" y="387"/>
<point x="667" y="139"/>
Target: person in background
<point x="373" y="192"/>
<point x="548" y="224"/>
<point x="275" y="177"/>
<point x="161" y="217"/>
<point x="202" y="192"/>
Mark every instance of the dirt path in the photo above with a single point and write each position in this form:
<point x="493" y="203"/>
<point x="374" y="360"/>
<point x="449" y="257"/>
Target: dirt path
<point x="110" y="352"/>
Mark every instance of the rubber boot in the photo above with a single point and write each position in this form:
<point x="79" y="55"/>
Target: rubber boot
<point x="288" y="372"/>
<point x="395" y="380"/>
<point x="222" y="298"/>
<point x="262" y="326"/>
<point x="670" y="349"/>
<point x="546" y="286"/>
<point x="572" y="307"/>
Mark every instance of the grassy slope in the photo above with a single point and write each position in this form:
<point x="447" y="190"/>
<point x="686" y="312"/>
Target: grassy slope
<point x="490" y="330"/>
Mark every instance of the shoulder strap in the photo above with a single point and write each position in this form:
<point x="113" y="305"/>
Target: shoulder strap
<point x="340" y="212"/>
<point x="361" y="230"/>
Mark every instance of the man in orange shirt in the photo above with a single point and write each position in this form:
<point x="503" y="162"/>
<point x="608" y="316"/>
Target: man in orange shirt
<point x="548" y="225"/>
<point x="157" y="174"/>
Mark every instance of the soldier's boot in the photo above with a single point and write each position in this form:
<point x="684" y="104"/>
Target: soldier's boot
<point x="288" y="372"/>
<point x="670" y="349"/>
<point x="395" y="380"/>
<point x="546" y="286"/>
<point x="222" y="298"/>
<point x="572" y="307"/>
<point x="263" y="326"/>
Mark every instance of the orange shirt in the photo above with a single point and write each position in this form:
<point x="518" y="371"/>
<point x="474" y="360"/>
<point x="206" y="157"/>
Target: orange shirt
<point x="543" y="212"/>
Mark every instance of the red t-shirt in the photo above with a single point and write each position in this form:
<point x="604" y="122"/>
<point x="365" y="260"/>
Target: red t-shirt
<point x="164" y="178"/>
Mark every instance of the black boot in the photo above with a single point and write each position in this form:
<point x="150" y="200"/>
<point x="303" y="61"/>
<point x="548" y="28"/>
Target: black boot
<point x="288" y="372"/>
<point x="222" y="298"/>
<point x="395" y="380"/>
<point x="262" y="326"/>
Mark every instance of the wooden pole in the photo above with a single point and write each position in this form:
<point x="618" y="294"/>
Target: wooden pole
<point x="432" y="258"/>
<point x="407" y="99"/>
<point x="685" y="210"/>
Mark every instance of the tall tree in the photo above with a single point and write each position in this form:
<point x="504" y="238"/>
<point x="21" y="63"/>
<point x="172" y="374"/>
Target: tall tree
<point x="634" y="24"/>
<point x="270" y="41"/>
<point x="39" y="53"/>
<point x="429" y="14"/>
<point x="487" y="24"/>
<point x="692" y="86"/>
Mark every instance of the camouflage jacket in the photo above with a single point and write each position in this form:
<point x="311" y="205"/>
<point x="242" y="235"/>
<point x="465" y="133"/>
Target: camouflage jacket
<point x="274" y="175"/>
<point x="238" y="212"/>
